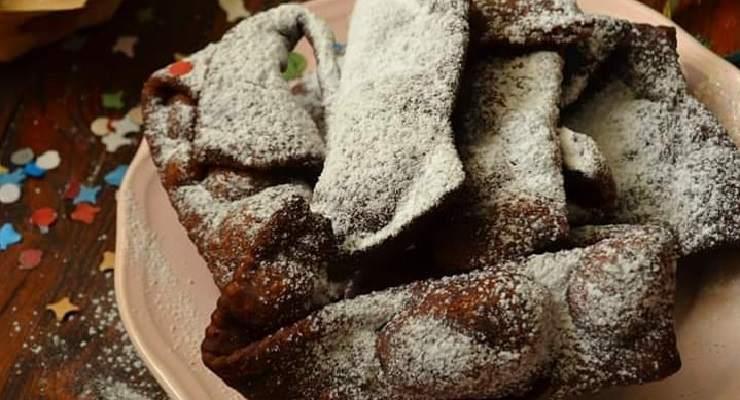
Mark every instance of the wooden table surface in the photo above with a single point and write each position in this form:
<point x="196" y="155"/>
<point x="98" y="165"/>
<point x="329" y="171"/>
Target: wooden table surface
<point x="47" y="101"/>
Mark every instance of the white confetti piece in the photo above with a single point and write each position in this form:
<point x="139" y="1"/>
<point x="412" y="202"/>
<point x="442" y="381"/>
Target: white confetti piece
<point x="124" y="126"/>
<point x="126" y="45"/>
<point x="9" y="193"/>
<point x="49" y="160"/>
<point x="115" y="140"/>
<point x="99" y="126"/>
<point x="234" y="9"/>
<point x="22" y="156"/>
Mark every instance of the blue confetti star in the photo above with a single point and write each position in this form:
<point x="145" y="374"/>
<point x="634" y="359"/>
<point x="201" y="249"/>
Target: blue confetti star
<point x="115" y="177"/>
<point x="88" y="194"/>
<point x="17" y="177"/>
<point x="339" y="48"/>
<point x="33" y="170"/>
<point x="8" y="236"/>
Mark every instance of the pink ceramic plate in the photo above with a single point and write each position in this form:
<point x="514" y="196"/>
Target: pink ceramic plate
<point x="165" y="293"/>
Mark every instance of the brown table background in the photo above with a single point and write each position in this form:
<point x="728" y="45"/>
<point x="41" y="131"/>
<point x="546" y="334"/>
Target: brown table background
<point x="47" y="101"/>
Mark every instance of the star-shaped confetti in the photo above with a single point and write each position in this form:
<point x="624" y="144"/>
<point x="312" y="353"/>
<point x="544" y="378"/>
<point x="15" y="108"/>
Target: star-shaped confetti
<point x="295" y="66"/>
<point x="9" y="193"/>
<point x="88" y="194"/>
<point x="8" y="236"/>
<point x="49" y="160"/>
<point x="115" y="176"/>
<point x="22" y="156"/>
<point x="113" y="100"/>
<point x="72" y="189"/>
<point x="108" y="262"/>
<point x="180" y="68"/>
<point x="99" y="126"/>
<point x="126" y="45"/>
<point x="44" y="218"/>
<point x="17" y="177"/>
<point x="85" y="213"/>
<point x="114" y="141"/>
<point x="33" y="170"/>
<point x="3" y="170"/>
<point x="234" y="9"/>
<point x="145" y="15"/>
<point x="30" y="259"/>
<point x="179" y="56"/>
<point x="62" y="308"/>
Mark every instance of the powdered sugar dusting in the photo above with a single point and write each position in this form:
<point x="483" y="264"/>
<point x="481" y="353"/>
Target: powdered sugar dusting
<point x="391" y="157"/>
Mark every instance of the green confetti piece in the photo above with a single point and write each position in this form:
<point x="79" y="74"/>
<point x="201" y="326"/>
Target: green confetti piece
<point x="296" y="65"/>
<point x="113" y="100"/>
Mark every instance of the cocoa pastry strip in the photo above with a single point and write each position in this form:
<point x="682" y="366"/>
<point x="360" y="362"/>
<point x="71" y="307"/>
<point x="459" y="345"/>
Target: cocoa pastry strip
<point x="391" y="157"/>
<point x="234" y="182"/>
<point x="513" y="201"/>
<point x="564" y="324"/>
<point x="672" y="161"/>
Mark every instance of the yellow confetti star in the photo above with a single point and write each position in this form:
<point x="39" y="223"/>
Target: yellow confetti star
<point x="3" y="170"/>
<point x="234" y="9"/>
<point x="62" y="308"/>
<point x="108" y="263"/>
<point x="179" y="56"/>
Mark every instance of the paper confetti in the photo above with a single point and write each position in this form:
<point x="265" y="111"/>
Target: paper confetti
<point x="113" y="100"/>
<point x="108" y="263"/>
<point x="124" y="126"/>
<point x="30" y="259"/>
<point x="87" y="194"/>
<point x="234" y="9"/>
<point x="9" y="193"/>
<point x="62" y="308"/>
<point x="295" y="66"/>
<point x="179" y="56"/>
<point x="115" y="176"/>
<point x="126" y="45"/>
<point x="8" y="236"/>
<point x="180" y="68"/>
<point x="339" y="48"/>
<point x="49" y="160"/>
<point x="3" y="170"/>
<point x="33" y="170"/>
<point x="44" y="217"/>
<point x="22" y="156"/>
<point x="99" y="126"/>
<point x="135" y="115"/>
<point x="85" y="213"/>
<point x="114" y="141"/>
<point x="17" y="177"/>
<point x="72" y="189"/>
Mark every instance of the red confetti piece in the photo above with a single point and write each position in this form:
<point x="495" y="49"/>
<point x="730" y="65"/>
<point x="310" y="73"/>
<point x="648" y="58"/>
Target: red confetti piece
<point x="30" y="259"/>
<point x="180" y="68"/>
<point x="85" y="213"/>
<point x="44" y="216"/>
<point x="72" y="189"/>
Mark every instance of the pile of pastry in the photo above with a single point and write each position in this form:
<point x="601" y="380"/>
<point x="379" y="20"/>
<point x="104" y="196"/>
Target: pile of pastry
<point x="479" y="199"/>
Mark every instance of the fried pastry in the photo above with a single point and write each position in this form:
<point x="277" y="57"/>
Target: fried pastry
<point x="673" y="163"/>
<point x="572" y="322"/>
<point x="236" y="154"/>
<point x="513" y="201"/>
<point x="589" y="182"/>
<point x="528" y="22"/>
<point x="391" y="157"/>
